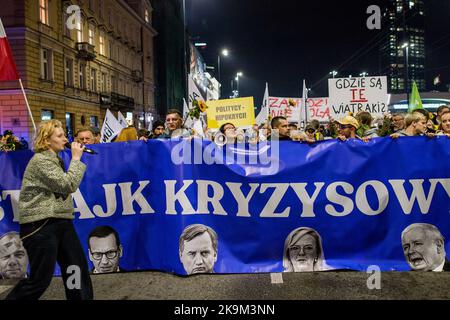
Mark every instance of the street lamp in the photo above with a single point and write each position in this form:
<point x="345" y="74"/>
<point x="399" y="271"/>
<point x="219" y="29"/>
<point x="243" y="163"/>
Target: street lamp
<point x="333" y="73"/>
<point x="406" y="46"/>
<point x="239" y="74"/>
<point x="363" y="74"/>
<point x="225" y="54"/>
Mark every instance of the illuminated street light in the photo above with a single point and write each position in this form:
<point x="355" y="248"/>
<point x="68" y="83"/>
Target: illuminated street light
<point x="406" y="46"/>
<point x="225" y="54"/>
<point x="238" y="75"/>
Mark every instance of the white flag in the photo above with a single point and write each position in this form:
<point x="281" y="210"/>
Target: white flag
<point x="122" y="120"/>
<point x="111" y="127"/>
<point x="194" y="92"/>
<point x="263" y="114"/>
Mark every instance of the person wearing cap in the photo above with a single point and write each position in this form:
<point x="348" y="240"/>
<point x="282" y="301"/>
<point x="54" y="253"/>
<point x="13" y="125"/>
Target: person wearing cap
<point x="157" y="129"/>
<point x="347" y="127"/>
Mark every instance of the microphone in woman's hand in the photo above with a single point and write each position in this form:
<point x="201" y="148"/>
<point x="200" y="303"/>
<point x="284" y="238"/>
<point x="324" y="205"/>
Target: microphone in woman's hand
<point x="90" y="151"/>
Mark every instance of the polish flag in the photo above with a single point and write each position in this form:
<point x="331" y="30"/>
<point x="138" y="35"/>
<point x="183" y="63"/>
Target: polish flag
<point x="8" y="70"/>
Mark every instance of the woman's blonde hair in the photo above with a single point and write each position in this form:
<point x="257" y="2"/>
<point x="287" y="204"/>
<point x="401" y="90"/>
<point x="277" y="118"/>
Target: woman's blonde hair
<point x="46" y="129"/>
<point x="127" y="134"/>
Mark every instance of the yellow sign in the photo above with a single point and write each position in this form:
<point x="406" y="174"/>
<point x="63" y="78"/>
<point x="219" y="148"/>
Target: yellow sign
<point x="239" y="112"/>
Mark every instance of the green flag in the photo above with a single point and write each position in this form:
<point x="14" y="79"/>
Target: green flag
<point x="414" y="100"/>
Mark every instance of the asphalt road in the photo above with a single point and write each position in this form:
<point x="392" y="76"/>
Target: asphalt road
<point x="150" y="285"/>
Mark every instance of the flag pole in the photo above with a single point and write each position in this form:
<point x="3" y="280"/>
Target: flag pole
<point x="28" y="107"/>
<point x="305" y="98"/>
<point x="268" y="118"/>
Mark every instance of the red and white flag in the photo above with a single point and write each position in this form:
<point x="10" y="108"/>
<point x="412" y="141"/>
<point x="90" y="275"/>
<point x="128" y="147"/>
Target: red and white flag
<point x="8" y="70"/>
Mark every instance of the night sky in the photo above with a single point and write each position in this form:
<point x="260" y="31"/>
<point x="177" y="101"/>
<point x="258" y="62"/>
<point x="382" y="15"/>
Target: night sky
<point x="284" y="41"/>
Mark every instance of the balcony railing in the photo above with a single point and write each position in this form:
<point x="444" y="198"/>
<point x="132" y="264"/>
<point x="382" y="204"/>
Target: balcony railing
<point x="85" y="51"/>
<point x="117" y="101"/>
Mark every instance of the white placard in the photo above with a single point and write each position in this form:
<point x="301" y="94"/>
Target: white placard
<point x="357" y="94"/>
<point x="280" y="107"/>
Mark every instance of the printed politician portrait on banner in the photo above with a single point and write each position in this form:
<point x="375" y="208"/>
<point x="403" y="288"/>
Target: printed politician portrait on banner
<point x="368" y="202"/>
<point x="303" y="251"/>
<point x="105" y="250"/>
<point x="13" y="256"/>
<point x="198" y="249"/>
<point x="424" y="248"/>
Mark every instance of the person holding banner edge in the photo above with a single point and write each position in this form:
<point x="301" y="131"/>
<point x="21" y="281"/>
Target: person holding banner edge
<point x="46" y="217"/>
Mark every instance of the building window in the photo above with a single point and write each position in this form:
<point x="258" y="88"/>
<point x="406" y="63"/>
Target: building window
<point x="103" y="80"/>
<point x="146" y="16"/>
<point x="82" y="76"/>
<point x="79" y="28"/>
<point x="70" y="124"/>
<point x="101" y="43"/>
<point x="91" y="5"/>
<point x="46" y="64"/>
<point x="43" y="11"/>
<point x="91" y="34"/>
<point x="68" y="74"/>
<point x="46" y="115"/>
<point x="129" y="118"/>
<point x="111" y="49"/>
<point x="93" y="121"/>
<point x="93" y="80"/>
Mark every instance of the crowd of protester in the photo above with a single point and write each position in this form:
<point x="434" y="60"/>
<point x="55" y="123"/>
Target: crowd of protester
<point x="361" y="126"/>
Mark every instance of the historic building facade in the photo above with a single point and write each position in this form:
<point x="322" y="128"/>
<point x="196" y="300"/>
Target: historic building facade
<point x="76" y="59"/>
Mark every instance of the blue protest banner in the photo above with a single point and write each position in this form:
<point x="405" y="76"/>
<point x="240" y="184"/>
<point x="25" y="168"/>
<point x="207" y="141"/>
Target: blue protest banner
<point x="281" y="206"/>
